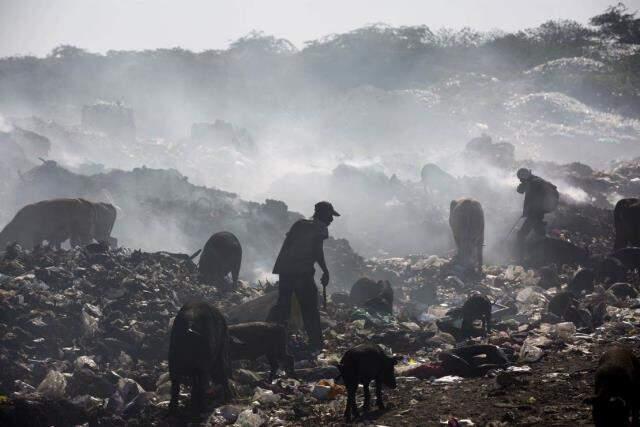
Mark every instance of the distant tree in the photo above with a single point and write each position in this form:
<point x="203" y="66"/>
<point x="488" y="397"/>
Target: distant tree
<point x="618" y="23"/>
<point x="257" y="41"/>
<point x="68" y="52"/>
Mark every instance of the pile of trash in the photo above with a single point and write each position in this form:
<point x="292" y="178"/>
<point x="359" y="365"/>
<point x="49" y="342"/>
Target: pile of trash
<point x="93" y="326"/>
<point x="84" y="333"/>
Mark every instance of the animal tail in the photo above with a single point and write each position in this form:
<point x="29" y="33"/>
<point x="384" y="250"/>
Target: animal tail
<point x="195" y="254"/>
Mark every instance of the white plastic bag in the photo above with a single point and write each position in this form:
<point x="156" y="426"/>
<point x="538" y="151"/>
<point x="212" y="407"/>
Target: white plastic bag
<point x="53" y="385"/>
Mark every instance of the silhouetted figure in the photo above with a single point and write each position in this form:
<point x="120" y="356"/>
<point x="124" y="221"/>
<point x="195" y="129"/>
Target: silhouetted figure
<point x="301" y="250"/>
<point x="627" y="222"/>
<point x="541" y="197"/>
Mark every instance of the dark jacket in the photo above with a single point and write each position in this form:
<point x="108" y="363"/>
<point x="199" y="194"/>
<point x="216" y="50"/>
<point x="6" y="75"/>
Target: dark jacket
<point x="534" y="190"/>
<point x="300" y="249"/>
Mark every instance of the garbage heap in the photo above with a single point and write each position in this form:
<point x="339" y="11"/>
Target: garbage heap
<point x="84" y="338"/>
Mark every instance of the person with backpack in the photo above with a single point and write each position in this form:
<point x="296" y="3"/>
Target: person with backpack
<point x="540" y="198"/>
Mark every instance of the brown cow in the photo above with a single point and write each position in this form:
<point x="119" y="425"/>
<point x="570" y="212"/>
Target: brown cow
<point x="105" y="219"/>
<point x="57" y="220"/>
<point x="466" y="219"/>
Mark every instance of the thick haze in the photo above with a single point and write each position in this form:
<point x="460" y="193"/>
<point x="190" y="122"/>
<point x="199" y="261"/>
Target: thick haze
<point x="375" y="118"/>
<point x="36" y="26"/>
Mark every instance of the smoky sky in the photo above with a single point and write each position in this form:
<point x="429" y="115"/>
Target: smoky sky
<point x="34" y="27"/>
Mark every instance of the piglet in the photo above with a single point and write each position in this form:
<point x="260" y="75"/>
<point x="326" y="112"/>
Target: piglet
<point x="360" y="365"/>
<point x="616" y="388"/>
<point x="476" y="307"/>
<point x="254" y="339"/>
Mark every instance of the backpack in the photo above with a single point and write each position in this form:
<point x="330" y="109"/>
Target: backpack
<point x="551" y="197"/>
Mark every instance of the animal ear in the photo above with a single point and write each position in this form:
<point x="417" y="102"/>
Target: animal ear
<point x="617" y="403"/>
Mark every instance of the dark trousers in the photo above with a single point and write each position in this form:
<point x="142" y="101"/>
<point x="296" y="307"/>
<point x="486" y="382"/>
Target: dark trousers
<point x="306" y="292"/>
<point x="533" y="222"/>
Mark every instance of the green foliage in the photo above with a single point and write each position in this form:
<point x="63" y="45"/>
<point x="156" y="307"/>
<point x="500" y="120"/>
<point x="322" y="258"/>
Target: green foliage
<point x="265" y="71"/>
<point x="618" y="23"/>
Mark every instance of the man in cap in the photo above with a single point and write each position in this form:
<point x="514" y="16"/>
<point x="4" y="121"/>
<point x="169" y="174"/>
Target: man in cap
<point x="301" y="250"/>
<point x="541" y="197"/>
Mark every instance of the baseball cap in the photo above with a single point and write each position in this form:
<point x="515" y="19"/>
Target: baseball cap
<point x="326" y="207"/>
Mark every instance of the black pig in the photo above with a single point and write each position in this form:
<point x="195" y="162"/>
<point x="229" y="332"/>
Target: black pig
<point x="608" y="269"/>
<point x="476" y="307"/>
<point x="254" y="339"/>
<point x="551" y="250"/>
<point x="363" y="290"/>
<point x="199" y="351"/>
<point x="561" y="302"/>
<point x="222" y="254"/>
<point x="383" y="302"/>
<point x="629" y="257"/>
<point x="360" y="365"/>
<point x="616" y="388"/>
<point x="582" y="280"/>
<point x="622" y="290"/>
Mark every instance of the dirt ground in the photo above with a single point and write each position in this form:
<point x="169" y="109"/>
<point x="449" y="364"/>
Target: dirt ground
<point x="551" y="395"/>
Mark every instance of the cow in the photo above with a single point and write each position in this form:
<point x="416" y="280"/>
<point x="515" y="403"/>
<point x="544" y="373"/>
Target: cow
<point x="626" y="215"/>
<point x="53" y="221"/>
<point x="57" y="220"/>
<point x="466" y="219"/>
<point x="105" y="218"/>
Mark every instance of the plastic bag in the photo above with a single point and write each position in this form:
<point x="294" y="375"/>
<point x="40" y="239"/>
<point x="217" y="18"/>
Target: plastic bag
<point x="327" y="390"/>
<point x="530" y="353"/>
<point x="248" y="418"/>
<point x="265" y="397"/>
<point x="53" y="385"/>
<point x="565" y="331"/>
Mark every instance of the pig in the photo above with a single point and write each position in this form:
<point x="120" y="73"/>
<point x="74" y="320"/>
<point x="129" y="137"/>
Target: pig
<point x="608" y="269"/>
<point x="566" y="307"/>
<point x="251" y="340"/>
<point x="383" y="302"/>
<point x="222" y="254"/>
<point x="466" y="219"/>
<point x="561" y="302"/>
<point x="549" y="250"/>
<point x="548" y="276"/>
<point x="199" y="352"/>
<point x="476" y="307"/>
<point x="626" y="216"/>
<point x="363" y="290"/>
<point x="360" y="365"/>
<point x="629" y="257"/>
<point x="583" y="280"/>
<point x="623" y="290"/>
<point x="616" y="388"/>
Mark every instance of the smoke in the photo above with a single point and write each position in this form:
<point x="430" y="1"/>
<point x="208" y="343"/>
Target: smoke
<point x="5" y="125"/>
<point x="322" y="124"/>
